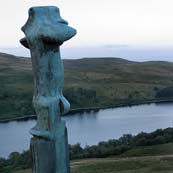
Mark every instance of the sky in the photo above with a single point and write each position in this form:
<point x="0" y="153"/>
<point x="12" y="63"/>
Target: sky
<point x="139" y="29"/>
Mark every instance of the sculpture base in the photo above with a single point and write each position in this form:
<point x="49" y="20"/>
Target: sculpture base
<point x="50" y="156"/>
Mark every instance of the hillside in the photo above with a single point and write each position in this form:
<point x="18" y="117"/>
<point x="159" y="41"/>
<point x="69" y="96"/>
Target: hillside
<point x="156" y="164"/>
<point x="147" y="163"/>
<point x="144" y="153"/>
<point x="89" y="82"/>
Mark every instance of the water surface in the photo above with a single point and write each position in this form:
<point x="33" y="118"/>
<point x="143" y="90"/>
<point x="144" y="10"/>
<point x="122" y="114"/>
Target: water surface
<point x="91" y="127"/>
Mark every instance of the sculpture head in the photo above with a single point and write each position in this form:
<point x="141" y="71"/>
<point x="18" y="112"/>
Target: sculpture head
<point x="46" y="25"/>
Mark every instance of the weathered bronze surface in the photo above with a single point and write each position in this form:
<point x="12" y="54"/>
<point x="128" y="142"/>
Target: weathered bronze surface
<point x="45" y="31"/>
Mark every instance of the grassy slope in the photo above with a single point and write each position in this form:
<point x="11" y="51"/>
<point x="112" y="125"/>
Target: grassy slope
<point x="159" y="162"/>
<point x="15" y="86"/>
<point x="88" y="82"/>
<point x="156" y="158"/>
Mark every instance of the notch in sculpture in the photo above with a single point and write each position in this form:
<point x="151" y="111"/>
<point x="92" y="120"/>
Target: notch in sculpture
<point x="45" y="31"/>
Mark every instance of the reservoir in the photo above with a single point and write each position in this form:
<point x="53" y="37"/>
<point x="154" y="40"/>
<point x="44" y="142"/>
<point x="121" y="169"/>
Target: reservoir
<point x="89" y="128"/>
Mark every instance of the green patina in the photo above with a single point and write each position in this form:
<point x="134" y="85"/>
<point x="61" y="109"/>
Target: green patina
<point x="45" y="31"/>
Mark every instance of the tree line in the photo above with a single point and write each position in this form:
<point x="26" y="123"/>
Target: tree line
<point x="103" y="149"/>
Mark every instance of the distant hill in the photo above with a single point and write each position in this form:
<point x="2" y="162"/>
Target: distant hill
<point x="89" y="82"/>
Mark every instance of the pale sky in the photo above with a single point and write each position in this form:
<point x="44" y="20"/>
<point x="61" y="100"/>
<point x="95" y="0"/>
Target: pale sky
<point x="136" y="23"/>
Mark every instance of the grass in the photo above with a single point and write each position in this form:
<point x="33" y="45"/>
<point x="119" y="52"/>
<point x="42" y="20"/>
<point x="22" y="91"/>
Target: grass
<point x="148" y="159"/>
<point x="153" y="150"/>
<point x="129" y="165"/>
<point x="89" y="82"/>
<point x="157" y="164"/>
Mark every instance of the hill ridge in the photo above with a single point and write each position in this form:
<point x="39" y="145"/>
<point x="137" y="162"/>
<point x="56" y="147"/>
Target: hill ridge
<point x="97" y="82"/>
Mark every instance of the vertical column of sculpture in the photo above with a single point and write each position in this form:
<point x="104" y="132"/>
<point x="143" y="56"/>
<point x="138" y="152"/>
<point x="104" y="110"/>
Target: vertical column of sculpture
<point x="44" y="32"/>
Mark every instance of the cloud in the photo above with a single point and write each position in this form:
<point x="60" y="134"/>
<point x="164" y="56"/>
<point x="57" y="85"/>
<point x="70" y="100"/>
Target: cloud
<point x="113" y="22"/>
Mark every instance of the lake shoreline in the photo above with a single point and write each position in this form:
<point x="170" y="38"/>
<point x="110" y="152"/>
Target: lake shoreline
<point x="82" y="110"/>
<point x="90" y="128"/>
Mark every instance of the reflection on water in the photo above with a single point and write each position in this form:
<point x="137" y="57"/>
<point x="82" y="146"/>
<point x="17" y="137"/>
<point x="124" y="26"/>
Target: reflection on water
<point x="91" y="127"/>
